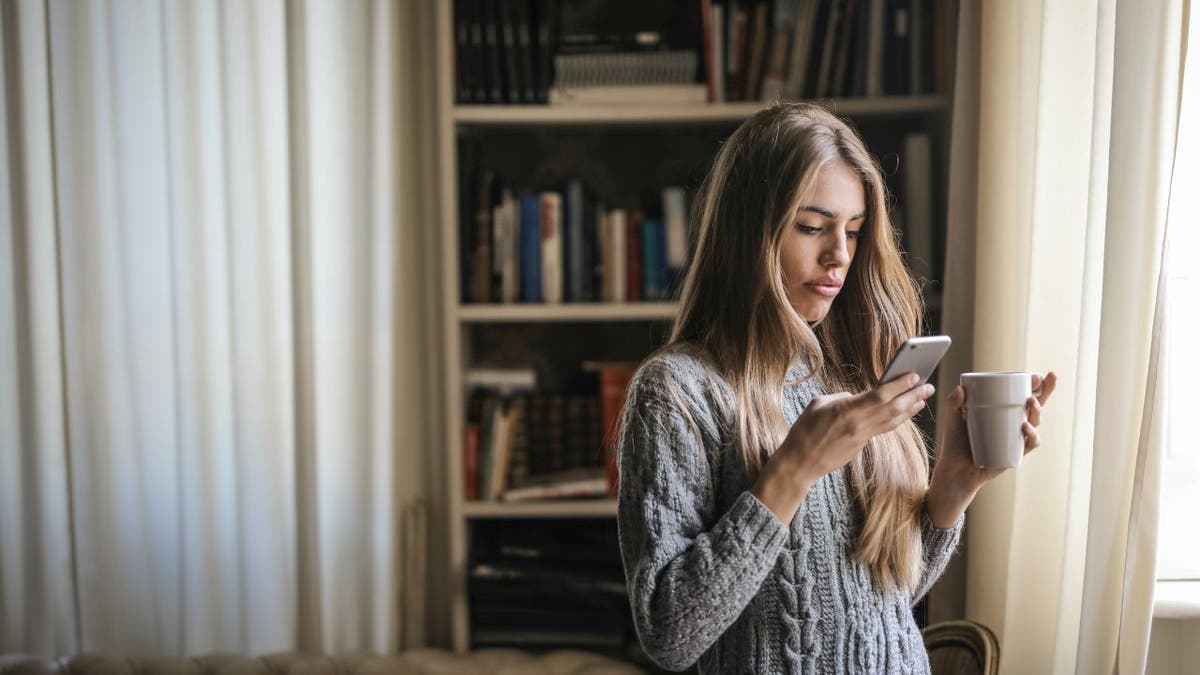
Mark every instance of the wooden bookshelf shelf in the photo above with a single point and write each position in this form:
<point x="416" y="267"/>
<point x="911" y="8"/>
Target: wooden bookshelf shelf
<point x="579" y="508"/>
<point x="582" y="311"/>
<point x="650" y="114"/>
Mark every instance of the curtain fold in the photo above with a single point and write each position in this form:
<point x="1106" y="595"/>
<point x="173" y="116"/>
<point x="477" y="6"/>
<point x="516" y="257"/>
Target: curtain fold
<point x="206" y="226"/>
<point x="1077" y="113"/>
<point x="37" y="567"/>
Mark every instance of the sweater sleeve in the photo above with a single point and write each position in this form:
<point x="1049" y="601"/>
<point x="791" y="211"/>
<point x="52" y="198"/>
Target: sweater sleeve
<point x="688" y="579"/>
<point x="937" y="545"/>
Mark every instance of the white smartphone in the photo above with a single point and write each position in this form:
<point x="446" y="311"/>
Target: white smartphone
<point x="918" y="355"/>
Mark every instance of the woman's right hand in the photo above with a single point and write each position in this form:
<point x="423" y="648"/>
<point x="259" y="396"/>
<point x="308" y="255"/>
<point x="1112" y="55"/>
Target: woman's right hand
<point x="830" y="432"/>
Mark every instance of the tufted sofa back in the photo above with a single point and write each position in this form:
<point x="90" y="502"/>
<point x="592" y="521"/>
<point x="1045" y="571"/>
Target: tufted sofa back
<point x="415" y="662"/>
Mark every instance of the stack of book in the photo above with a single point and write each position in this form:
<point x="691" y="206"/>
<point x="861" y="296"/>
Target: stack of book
<point x="585" y="51"/>
<point x="555" y="585"/>
<point x="793" y="49"/>
<point x="524" y="446"/>
<point x="504" y="50"/>
<point x="628" y="51"/>
<point x="569" y="245"/>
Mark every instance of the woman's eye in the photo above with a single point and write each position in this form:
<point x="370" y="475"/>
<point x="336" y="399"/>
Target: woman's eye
<point x="852" y="235"/>
<point x="806" y="229"/>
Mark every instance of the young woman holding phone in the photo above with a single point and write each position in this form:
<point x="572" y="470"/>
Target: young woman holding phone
<point x="776" y="510"/>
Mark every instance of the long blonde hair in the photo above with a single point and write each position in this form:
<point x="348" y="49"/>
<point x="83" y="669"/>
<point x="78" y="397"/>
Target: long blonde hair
<point x="734" y="306"/>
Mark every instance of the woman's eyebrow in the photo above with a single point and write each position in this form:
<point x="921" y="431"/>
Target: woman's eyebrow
<point x="829" y="214"/>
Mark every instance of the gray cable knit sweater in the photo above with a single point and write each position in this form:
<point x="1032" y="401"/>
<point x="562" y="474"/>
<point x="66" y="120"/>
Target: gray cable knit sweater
<point x="714" y="576"/>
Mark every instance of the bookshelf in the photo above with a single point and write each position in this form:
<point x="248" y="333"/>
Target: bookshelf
<point x="589" y="508"/>
<point x="528" y="136"/>
<point x="625" y="311"/>
<point x="496" y="115"/>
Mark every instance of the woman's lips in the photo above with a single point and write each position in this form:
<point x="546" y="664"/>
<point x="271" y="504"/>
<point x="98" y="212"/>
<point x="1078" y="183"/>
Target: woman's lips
<point x="826" y="290"/>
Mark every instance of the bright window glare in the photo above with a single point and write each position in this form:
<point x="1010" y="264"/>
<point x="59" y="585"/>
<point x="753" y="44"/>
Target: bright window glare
<point x="1178" y="545"/>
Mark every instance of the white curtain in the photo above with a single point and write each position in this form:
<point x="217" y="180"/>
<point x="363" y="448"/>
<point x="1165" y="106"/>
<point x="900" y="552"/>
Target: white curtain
<point x="212" y="333"/>
<point x="1076" y="106"/>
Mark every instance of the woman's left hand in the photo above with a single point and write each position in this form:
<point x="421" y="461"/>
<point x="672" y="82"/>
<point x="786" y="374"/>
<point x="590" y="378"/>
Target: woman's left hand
<point x="955" y="478"/>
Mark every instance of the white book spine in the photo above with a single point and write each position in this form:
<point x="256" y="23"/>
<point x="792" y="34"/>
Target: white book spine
<point x="675" y="220"/>
<point x="552" y="272"/>
<point x="616" y="249"/>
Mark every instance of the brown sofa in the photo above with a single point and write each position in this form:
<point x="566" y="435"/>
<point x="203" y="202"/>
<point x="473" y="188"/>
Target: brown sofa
<point x="415" y="662"/>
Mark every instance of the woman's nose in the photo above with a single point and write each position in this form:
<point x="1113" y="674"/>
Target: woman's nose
<point x="836" y="253"/>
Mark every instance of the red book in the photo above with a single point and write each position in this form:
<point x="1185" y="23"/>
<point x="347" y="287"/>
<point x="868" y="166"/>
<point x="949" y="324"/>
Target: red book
<point x="614" y="385"/>
<point x="633" y="256"/>
<point x="471" y="462"/>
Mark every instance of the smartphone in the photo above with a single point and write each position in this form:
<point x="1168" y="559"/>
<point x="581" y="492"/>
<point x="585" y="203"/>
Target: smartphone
<point x="918" y="355"/>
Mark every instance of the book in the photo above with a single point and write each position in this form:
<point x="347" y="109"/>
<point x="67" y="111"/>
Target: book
<point x="477" y="65"/>
<point x="877" y="29"/>
<point x="513" y="87"/>
<point x="675" y="223"/>
<point x="471" y="461"/>
<point x="491" y="416"/>
<point x="492" y="51"/>
<point x="916" y="46"/>
<point x="462" y="46"/>
<point x="716" y="36"/>
<point x="801" y="49"/>
<point x="481" y="261"/>
<point x="502" y="451"/>
<point x="654" y="267"/>
<point x="629" y="94"/>
<point x="918" y="204"/>
<point x="829" y="38"/>
<point x="573" y="207"/>
<point x="552" y="265"/>
<point x="565" y="484"/>
<point x="707" y="49"/>
<point x="842" y="52"/>
<point x="531" y="248"/>
<point x="615" y="263"/>
<point x="614" y="379"/>
<point x="633" y="256"/>
<point x="595" y="257"/>
<point x="506" y="248"/>
<point x="856" y="77"/>
<point x="779" y="56"/>
<point x="896" y="49"/>
<point x="502" y="380"/>
<point x="522" y="18"/>
<point x="759" y="35"/>
<point x="735" y="64"/>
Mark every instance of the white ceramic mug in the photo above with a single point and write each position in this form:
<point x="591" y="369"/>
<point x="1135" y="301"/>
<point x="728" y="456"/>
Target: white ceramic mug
<point x="995" y="404"/>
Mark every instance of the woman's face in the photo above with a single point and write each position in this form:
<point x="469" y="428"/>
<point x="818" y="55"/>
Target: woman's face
<point x="818" y="246"/>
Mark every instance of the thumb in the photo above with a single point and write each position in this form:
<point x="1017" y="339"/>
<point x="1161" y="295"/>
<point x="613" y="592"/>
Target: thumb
<point x="822" y="401"/>
<point x="957" y="396"/>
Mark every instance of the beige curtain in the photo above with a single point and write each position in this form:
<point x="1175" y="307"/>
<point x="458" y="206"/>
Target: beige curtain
<point x="213" y="343"/>
<point x="1056" y="235"/>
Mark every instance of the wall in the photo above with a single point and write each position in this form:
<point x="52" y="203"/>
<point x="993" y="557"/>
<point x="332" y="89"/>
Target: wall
<point x="1174" y="647"/>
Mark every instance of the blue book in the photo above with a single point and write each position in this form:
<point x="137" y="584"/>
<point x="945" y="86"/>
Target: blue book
<point x="574" y="242"/>
<point x="654" y="259"/>
<point x="531" y="248"/>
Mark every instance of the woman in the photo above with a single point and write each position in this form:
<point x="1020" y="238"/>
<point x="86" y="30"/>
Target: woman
<point x="765" y="525"/>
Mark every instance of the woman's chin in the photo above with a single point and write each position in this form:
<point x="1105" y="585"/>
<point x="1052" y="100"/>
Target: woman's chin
<point x="813" y="313"/>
